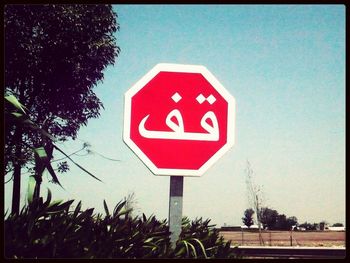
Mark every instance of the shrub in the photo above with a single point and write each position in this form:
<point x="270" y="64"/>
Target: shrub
<point x="45" y="229"/>
<point x="200" y="240"/>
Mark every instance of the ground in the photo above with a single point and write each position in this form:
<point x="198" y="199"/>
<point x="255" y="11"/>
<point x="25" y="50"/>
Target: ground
<point x="287" y="238"/>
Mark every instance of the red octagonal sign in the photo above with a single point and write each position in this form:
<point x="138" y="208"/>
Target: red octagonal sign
<point x="179" y="119"/>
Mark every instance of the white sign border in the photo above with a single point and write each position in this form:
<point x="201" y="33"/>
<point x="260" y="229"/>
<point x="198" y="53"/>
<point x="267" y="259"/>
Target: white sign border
<point x="231" y="102"/>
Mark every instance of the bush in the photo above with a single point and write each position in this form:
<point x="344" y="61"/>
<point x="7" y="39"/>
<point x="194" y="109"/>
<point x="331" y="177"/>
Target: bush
<point x="46" y="229"/>
<point x="200" y="240"/>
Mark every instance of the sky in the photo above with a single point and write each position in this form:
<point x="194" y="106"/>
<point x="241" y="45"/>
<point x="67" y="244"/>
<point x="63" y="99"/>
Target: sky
<point x="285" y="67"/>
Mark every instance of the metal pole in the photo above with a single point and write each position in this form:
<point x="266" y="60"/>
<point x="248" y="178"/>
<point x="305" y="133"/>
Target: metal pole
<point x="175" y="208"/>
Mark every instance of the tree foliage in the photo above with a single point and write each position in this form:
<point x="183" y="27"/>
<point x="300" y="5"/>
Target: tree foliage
<point x="54" y="56"/>
<point x="248" y="217"/>
<point x="268" y="217"/>
<point x="272" y="220"/>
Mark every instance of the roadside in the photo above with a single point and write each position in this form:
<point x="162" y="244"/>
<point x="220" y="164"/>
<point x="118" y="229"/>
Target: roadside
<point x="287" y="238"/>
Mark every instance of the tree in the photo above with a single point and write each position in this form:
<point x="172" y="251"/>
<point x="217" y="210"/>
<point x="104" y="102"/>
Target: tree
<point x="292" y="221"/>
<point x="254" y="197"/>
<point x="309" y="226"/>
<point x="54" y="56"/>
<point x="337" y="224"/>
<point x="284" y="223"/>
<point x="248" y="217"/>
<point x="281" y="222"/>
<point x="268" y="217"/>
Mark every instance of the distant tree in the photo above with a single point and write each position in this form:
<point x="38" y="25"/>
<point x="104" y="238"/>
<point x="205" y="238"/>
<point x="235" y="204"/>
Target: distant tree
<point x="281" y="223"/>
<point x="309" y="226"/>
<point x="248" y="217"/>
<point x="305" y="225"/>
<point x="292" y="221"/>
<point x="254" y="197"/>
<point x="54" y="56"/>
<point x="284" y="223"/>
<point x="337" y="224"/>
<point x="272" y="220"/>
<point x="268" y="217"/>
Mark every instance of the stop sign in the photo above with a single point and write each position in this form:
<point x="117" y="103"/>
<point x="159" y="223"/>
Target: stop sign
<point x="179" y="119"/>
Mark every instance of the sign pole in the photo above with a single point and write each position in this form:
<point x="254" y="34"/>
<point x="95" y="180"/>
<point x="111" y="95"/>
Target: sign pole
<point x="175" y="208"/>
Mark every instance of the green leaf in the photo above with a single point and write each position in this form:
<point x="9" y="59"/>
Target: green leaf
<point x="117" y="208"/>
<point x="13" y="100"/>
<point x="187" y="250"/>
<point x="17" y="114"/>
<point x="151" y="245"/>
<point x="55" y="203"/>
<point x="61" y="207"/>
<point x="201" y="245"/>
<point x="106" y="208"/>
<point x="86" y="214"/>
<point x="30" y="190"/>
<point x="126" y="211"/>
<point x="149" y="239"/>
<point x="193" y="249"/>
<point x="48" y="199"/>
<point x="41" y="153"/>
<point x="77" y="209"/>
<point x="182" y="250"/>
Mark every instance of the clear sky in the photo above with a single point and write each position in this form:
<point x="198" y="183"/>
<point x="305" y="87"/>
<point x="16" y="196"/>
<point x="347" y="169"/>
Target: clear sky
<point x="285" y="66"/>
